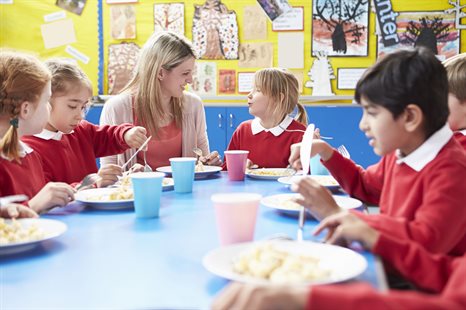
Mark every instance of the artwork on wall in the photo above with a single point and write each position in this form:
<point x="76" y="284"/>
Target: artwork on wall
<point x="169" y="16"/>
<point x="459" y="12"/>
<point x="434" y="30"/>
<point x="226" y="81"/>
<point x="73" y="6"/>
<point x="293" y="20"/>
<point x="274" y="8"/>
<point x="340" y="27"/>
<point x="123" y="22"/>
<point x="256" y="54"/>
<point x="215" y="31"/>
<point x="254" y="23"/>
<point x="320" y="75"/>
<point x="122" y="59"/>
<point x="204" y="78"/>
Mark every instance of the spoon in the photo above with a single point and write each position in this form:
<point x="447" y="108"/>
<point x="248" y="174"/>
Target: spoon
<point x="198" y="152"/>
<point x="147" y="168"/>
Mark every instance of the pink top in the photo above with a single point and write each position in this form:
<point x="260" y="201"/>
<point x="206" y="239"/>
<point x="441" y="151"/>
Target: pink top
<point x="166" y="145"/>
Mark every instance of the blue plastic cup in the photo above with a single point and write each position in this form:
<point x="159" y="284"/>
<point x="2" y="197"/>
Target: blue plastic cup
<point x="317" y="168"/>
<point x="147" y="188"/>
<point x="183" y="173"/>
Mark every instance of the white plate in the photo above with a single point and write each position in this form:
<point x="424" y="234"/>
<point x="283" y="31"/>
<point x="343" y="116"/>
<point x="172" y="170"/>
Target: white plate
<point x="325" y="180"/>
<point x="343" y="263"/>
<point x="268" y="173"/>
<point x="89" y="197"/>
<point x="50" y="228"/>
<point x="284" y="204"/>
<point x="208" y="170"/>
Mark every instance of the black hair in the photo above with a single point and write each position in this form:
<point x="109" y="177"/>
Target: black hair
<point x="408" y="76"/>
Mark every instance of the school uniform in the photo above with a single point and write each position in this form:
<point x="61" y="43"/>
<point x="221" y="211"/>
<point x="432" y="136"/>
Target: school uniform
<point x="460" y="136"/>
<point x="268" y="148"/>
<point x="440" y="274"/>
<point x="24" y="177"/>
<point x="421" y="196"/>
<point x="69" y="157"/>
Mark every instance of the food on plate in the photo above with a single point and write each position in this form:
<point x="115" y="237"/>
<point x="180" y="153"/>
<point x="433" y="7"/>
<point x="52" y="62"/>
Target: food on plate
<point x="284" y="202"/>
<point x="14" y="232"/>
<point x="265" y="261"/>
<point x="270" y="172"/>
<point x="199" y="167"/>
<point x="325" y="180"/>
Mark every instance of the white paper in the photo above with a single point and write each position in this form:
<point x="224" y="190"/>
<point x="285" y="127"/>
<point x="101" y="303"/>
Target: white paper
<point x="349" y="77"/>
<point x="306" y="148"/>
<point x="291" y="20"/>
<point x="291" y="50"/>
<point x="54" y="16"/>
<point x="6" y="1"/>
<point x="77" y="54"/>
<point x="58" y="33"/>
<point x="245" y="82"/>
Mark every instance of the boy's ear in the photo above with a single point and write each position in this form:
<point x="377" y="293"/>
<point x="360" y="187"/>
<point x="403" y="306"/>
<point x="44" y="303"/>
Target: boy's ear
<point x="413" y="117"/>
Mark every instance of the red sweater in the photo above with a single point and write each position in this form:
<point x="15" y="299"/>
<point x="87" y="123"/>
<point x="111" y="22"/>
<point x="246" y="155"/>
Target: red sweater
<point x="441" y="274"/>
<point x="425" y="206"/>
<point x="461" y="138"/>
<point x="25" y="178"/>
<point x="265" y="149"/>
<point x="71" y="158"/>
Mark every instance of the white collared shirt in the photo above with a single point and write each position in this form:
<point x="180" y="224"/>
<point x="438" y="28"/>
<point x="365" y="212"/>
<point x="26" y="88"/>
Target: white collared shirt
<point x="463" y="131"/>
<point x="256" y="126"/>
<point x="24" y="149"/>
<point x="50" y="135"/>
<point x="425" y="153"/>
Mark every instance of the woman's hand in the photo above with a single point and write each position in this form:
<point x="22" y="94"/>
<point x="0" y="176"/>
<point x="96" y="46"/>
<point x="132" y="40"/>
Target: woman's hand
<point x="53" y="194"/>
<point x="108" y="175"/>
<point x="316" y="198"/>
<point x="213" y="159"/>
<point x="136" y="168"/>
<point x="14" y="210"/>
<point x="248" y="296"/>
<point x="135" y="137"/>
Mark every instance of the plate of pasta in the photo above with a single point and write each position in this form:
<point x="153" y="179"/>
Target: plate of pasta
<point x="108" y="198"/>
<point x="325" y="180"/>
<point x="284" y="203"/>
<point x="21" y="235"/>
<point x="269" y="173"/>
<point x="199" y="173"/>
<point x="285" y="262"/>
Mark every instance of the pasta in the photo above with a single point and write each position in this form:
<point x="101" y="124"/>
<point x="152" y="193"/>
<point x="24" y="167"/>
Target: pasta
<point x="14" y="232"/>
<point x="199" y="167"/>
<point x="277" y="266"/>
<point x="270" y="172"/>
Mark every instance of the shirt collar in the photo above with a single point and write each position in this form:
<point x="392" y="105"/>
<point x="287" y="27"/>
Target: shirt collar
<point x="256" y="126"/>
<point x="424" y="154"/>
<point x="50" y="135"/>
<point x="24" y="149"/>
<point x="463" y="132"/>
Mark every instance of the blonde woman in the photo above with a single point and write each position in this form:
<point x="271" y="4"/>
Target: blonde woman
<point x="155" y="99"/>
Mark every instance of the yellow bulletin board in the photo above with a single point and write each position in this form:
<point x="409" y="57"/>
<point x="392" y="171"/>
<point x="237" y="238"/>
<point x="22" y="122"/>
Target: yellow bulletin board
<point x="20" y="24"/>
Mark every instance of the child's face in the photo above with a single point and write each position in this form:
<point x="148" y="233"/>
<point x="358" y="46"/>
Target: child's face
<point x="68" y="109"/>
<point x="173" y="82"/>
<point x="386" y="134"/>
<point x="37" y="115"/>
<point x="258" y="103"/>
<point x="457" y="117"/>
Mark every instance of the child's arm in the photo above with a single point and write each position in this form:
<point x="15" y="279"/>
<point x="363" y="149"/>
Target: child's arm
<point x="14" y="210"/>
<point x="51" y="195"/>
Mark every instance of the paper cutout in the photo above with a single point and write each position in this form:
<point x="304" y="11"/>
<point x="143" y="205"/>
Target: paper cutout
<point x="256" y="55"/>
<point x="121" y="1"/>
<point x="434" y="30"/>
<point x="169" y="16"/>
<point x="123" y="21"/>
<point x="245" y="82"/>
<point x="290" y="21"/>
<point x="73" y="6"/>
<point x="54" y="16"/>
<point x="215" y="31"/>
<point x="274" y="8"/>
<point x="122" y="59"/>
<point x="291" y="50"/>
<point x="320" y="74"/>
<point x="226" y="81"/>
<point x="386" y="22"/>
<point x="6" y="1"/>
<point x="254" y="23"/>
<point x="77" y="54"/>
<point x="458" y="11"/>
<point x="349" y="77"/>
<point x="204" y="78"/>
<point x="58" y="33"/>
<point x="340" y="34"/>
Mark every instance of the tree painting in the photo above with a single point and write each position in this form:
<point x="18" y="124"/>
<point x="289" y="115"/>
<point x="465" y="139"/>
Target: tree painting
<point x="169" y="16"/>
<point x="434" y="30"/>
<point x="340" y="27"/>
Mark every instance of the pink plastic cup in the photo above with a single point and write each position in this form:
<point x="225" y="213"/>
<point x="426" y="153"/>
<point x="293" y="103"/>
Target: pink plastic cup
<point x="236" y="164"/>
<point x="236" y="216"/>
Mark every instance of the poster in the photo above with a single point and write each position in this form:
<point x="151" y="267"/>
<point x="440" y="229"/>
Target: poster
<point x="169" y="16"/>
<point x="226" y="81"/>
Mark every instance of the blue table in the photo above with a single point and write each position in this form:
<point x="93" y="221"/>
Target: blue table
<point x="111" y="260"/>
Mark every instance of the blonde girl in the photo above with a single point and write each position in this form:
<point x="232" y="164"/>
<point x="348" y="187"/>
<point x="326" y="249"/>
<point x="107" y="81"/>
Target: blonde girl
<point x="270" y="134"/>
<point x="69" y="145"/>
<point x="155" y="98"/>
<point x="25" y="89"/>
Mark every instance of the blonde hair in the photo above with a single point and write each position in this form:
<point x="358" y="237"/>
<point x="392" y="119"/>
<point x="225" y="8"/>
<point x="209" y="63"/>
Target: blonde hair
<point x="164" y="50"/>
<point x="283" y="88"/>
<point x="66" y="76"/>
<point x="456" y="73"/>
<point x="22" y="78"/>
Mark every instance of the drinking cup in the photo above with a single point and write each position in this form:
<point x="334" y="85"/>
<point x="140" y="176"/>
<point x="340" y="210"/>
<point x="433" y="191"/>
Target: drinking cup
<point x="183" y="173"/>
<point x="236" y="164"/>
<point x="147" y="188"/>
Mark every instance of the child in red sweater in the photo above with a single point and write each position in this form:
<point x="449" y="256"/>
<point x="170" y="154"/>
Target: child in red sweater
<point x="274" y="96"/>
<point x="440" y="275"/>
<point x="70" y="145"/>
<point x="419" y="182"/>
<point x="25" y="89"/>
<point x="456" y="72"/>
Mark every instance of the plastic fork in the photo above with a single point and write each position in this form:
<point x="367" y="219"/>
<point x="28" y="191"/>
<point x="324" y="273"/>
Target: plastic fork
<point x="301" y="224"/>
<point x="343" y="151"/>
<point x="88" y="181"/>
<point x="147" y="168"/>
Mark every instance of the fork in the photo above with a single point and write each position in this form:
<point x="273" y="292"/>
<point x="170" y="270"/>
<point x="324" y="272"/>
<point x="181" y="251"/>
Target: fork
<point x="147" y="168"/>
<point x="299" y="130"/>
<point x="88" y="181"/>
<point x="343" y="151"/>
<point x="301" y="224"/>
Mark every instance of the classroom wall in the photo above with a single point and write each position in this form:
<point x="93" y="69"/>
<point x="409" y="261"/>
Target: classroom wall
<point x="20" y="24"/>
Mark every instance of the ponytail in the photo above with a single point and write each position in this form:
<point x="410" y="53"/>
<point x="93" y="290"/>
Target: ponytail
<point x="301" y="116"/>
